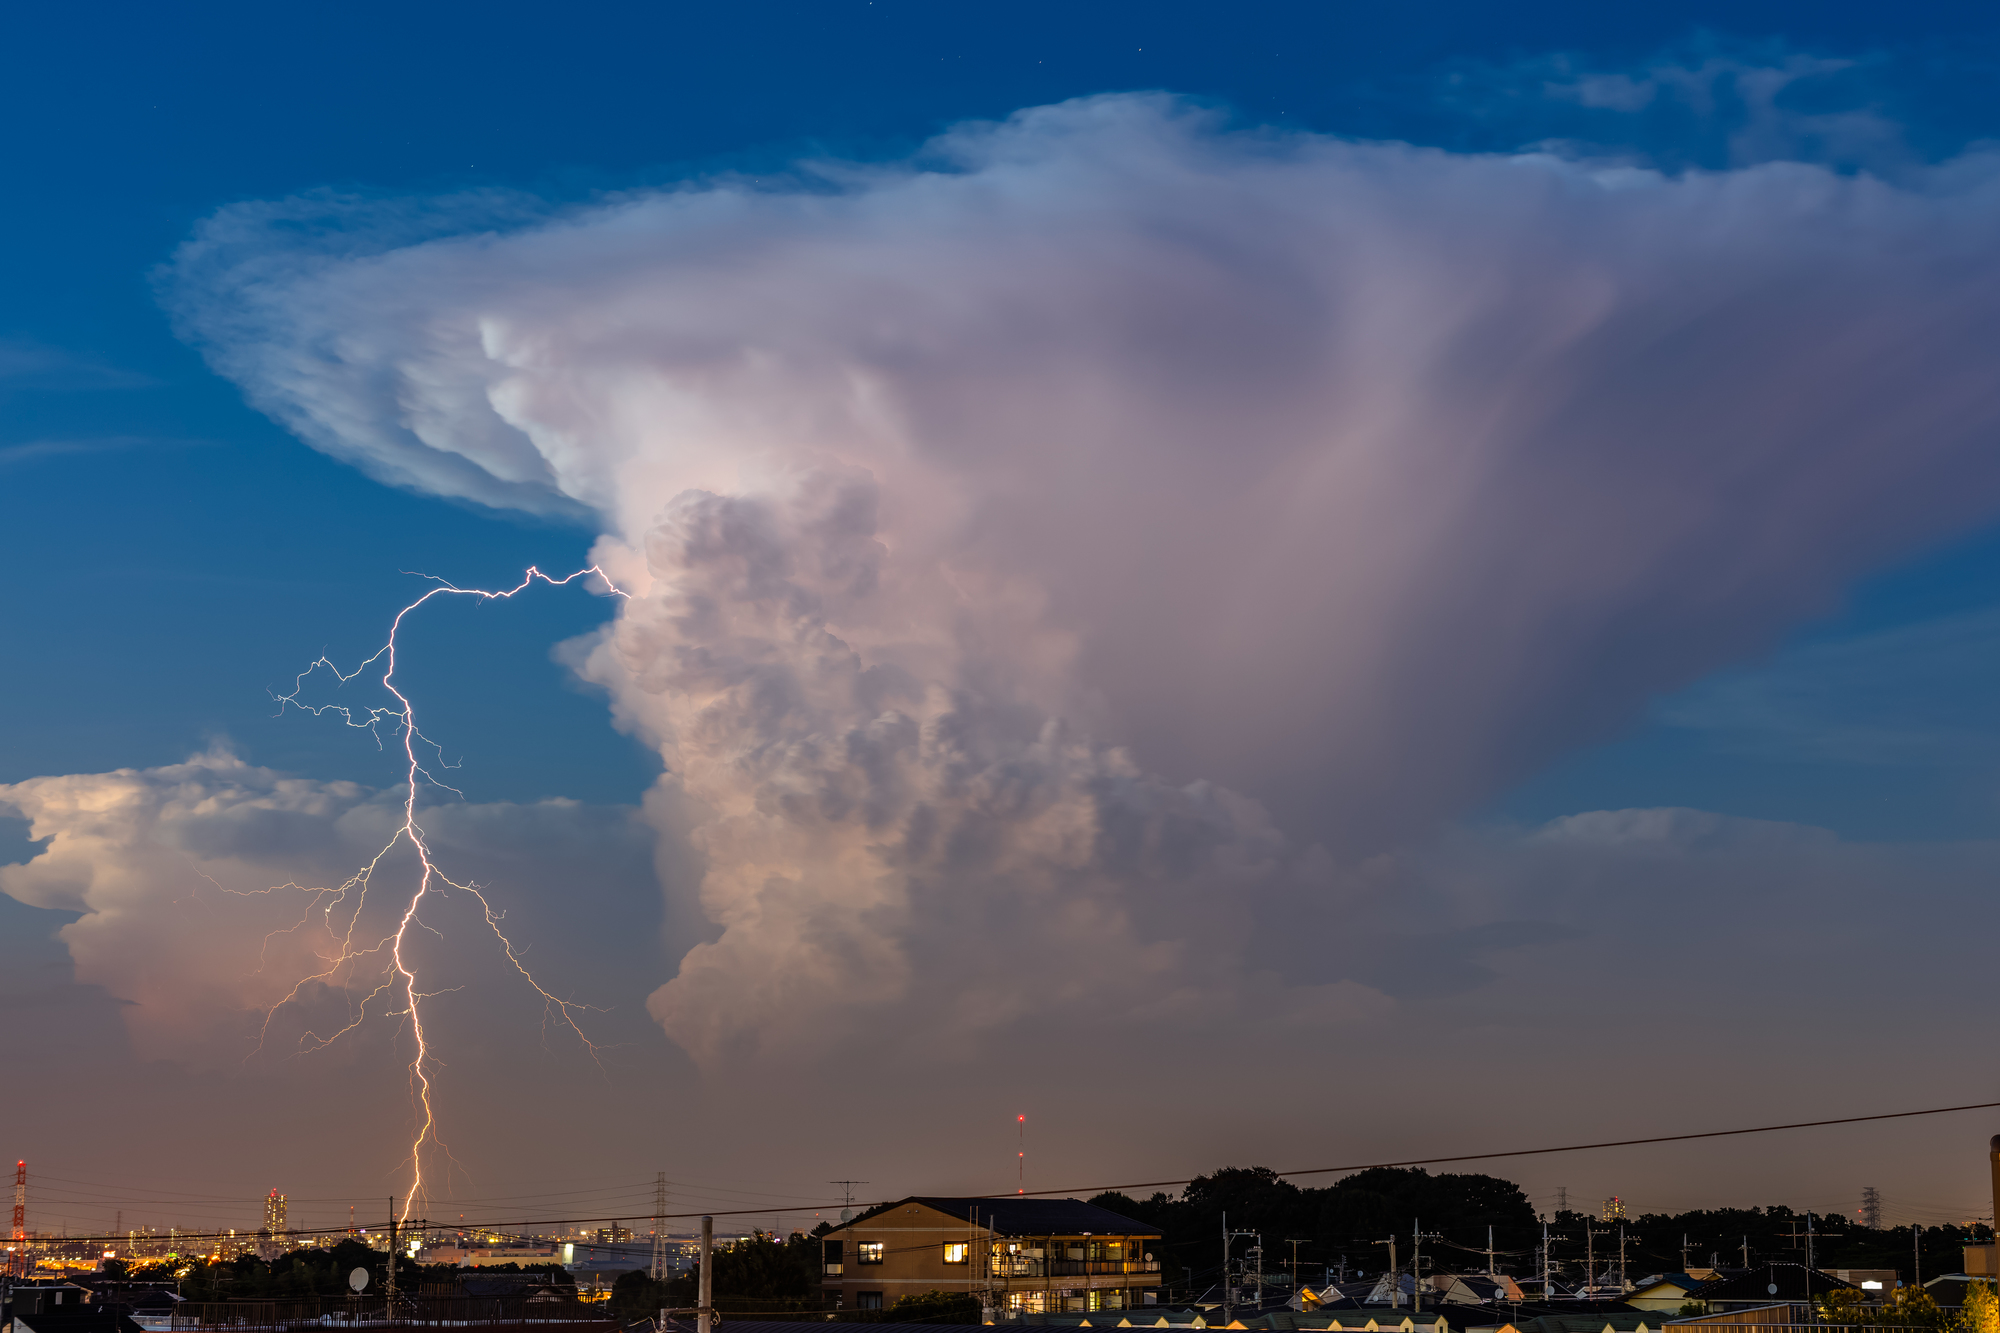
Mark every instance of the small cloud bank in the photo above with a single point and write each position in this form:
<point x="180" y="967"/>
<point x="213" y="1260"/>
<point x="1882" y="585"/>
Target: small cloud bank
<point x="1712" y="103"/>
<point x="207" y="892"/>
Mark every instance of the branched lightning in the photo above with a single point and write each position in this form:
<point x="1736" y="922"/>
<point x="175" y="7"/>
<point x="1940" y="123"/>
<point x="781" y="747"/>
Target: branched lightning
<point x="339" y="909"/>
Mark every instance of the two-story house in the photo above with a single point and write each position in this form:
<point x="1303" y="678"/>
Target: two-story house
<point x="1043" y="1255"/>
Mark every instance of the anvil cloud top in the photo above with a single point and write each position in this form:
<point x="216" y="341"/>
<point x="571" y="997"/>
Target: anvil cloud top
<point x="1099" y="572"/>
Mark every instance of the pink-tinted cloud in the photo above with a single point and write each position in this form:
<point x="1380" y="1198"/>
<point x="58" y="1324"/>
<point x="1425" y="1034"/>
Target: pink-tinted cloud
<point x="1273" y="497"/>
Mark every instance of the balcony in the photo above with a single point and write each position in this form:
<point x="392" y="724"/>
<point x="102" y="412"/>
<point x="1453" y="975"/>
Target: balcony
<point x="1014" y="1265"/>
<point x="1101" y="1267"/>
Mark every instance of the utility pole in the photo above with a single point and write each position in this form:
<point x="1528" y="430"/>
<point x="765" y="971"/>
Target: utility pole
<point x="1809" y="1251"/>
<point x="1623" y="1285"/>
<point x="1228" y="1292"/>
<point x="1489" y="1253"/>
<point x="1228" y="1285"/>
<point x="1746" y="1251"/>
<point x="1684" y="1251"/>
<point x="391" y="1288"/>
<point x="704" y="1316"/>
<point x="1590" y="1235"/>
<point x="1395" y="1287"/>
<point x="1295" y="1259"/>
<point x="1917" y="1253"/>
<point x="1416" y="1268"/>
<point x="989" y="1309"/>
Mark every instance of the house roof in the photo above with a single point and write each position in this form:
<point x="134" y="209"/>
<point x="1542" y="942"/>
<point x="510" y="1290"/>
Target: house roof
<point x="510" y="1284"/>
<point x="1792" y="1281"/>
<point x="76" y="1319"/>
<point x="1625" y="1321"/>
<point x="1023" y="1217"/>
<point x="1680" y="1281"/>
<point x="681" y="1325"/>
<point x="1950" y="1288"/>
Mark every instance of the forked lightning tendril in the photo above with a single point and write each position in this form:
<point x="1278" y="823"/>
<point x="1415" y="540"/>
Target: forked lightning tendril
<point x="395" y="970"/>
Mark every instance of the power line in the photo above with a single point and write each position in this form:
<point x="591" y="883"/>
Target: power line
<point x="1150" y="1184"/>
<point x="1533" y="1152"/>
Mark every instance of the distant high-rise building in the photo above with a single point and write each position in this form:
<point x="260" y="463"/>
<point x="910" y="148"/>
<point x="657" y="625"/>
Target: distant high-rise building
<point x="273" y="1235"/>
<point x="1614" y="1209"/>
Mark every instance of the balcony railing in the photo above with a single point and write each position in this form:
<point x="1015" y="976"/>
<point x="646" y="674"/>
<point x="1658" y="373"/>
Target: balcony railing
<point x="1014" y="1265"/>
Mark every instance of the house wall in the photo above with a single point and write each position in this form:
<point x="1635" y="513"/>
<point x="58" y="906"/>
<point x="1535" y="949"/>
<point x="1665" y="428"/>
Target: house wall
<point x="913" y="1238"/>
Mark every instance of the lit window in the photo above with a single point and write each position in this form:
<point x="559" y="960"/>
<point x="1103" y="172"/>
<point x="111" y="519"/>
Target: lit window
<point x="956" y="1251"/>
<point x="870" y="1251"/>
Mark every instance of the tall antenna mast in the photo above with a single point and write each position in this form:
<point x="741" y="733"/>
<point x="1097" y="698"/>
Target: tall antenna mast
<point x="660" y="1227"/>
<point x="1021" y="1157"/>
<point x="19" y="1233"/>
<point x="847" y="1198"/>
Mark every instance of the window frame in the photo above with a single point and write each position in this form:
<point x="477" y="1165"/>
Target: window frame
<point x="870" y="1251"/>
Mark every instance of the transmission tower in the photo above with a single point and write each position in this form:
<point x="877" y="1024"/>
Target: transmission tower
<point x="20" y="1229"/>
<point x="1871" y="1208"/>
<point x="660" y="1227"/>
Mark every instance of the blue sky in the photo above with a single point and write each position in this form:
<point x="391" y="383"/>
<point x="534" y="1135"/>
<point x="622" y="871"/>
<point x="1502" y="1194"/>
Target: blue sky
<point x="177" y="556"/>
<point x="235" y="552"/>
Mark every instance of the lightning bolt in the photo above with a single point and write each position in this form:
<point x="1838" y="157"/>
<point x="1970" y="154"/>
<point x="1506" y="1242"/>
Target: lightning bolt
<point x="339" y="909"/>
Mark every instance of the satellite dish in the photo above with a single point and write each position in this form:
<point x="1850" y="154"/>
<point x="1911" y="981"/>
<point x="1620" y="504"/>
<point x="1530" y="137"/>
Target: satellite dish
<point x="1773" y="1289"/>
<point x="358" y="1279"/>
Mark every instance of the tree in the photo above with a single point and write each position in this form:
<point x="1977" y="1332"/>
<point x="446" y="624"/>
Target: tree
<point x="1907" y="1307"/>
<point x="1340" y="1220"/>
<point x="635" y="1295"/>
<point x="935" y="1307"/>
<point x="759" y="1272"/>
<point x="1981" y="1311"/>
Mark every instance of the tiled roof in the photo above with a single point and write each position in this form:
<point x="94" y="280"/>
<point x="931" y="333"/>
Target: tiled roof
<point x="1025" y="1217"/>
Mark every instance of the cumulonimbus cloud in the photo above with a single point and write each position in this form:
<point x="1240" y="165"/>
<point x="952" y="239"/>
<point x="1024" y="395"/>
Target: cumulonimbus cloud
<point x="1043" y="524"/>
